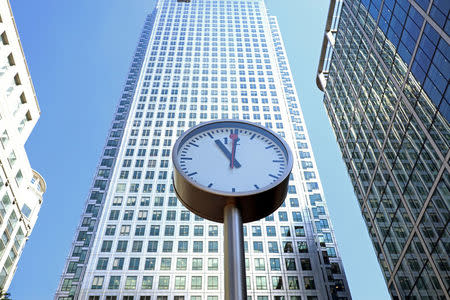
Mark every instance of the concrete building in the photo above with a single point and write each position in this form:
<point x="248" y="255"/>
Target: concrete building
<point x="195" y="61"/>
<point x="385" y="69"/>
<point x="21" y="187"/>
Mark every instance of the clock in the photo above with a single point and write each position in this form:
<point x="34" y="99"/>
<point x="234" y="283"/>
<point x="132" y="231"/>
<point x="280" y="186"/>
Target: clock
<point x="225" y="161"/>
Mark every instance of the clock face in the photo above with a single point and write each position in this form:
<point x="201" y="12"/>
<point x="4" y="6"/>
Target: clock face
<point x="232" y="157"/>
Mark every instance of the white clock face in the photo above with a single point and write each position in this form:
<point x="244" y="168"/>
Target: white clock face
<point x="232" y="157"/>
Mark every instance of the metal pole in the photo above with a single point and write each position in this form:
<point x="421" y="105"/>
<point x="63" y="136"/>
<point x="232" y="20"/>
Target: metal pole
<point x="235" y="285"/>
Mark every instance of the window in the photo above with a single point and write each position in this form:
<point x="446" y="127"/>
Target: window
<point x="282" y="215"/>
<point x="197" y="264"/>
<point x="261" y="283"/>
<point x="302" y="247"/>
<point x="166" y="263"/>
<point x="182" y="246"/>
<point x="299" y="231"/>
<point x="213" y="246"/>
<point x="293" y="283"/>
<point x="182" y="263"/>
<point x="147" y="282"/>
<point x="273" y="247"/>
<point x="213" y="264"/>
<point x="306" y="264"/>
<point x="198" y="246"/>
<point x="140" y="230"/>
<point x="97" y="283"/>
<point x="118" y="263"/>
<point x="102" y="263"/>
<point x="152" y="246"/>
<point x="271" y="231"/>
<point x="150" y="263"/>
<point x="290" y="264"/>
<point x="114" y="282"/>
<point x="169" y="230"/>
<point x="163" y="283"/>
<point x="167" y="246"/>
<point x="198" y="230"/>
<point x="196" y="283"/>
<point x="287" y="247"/>
<point x="275" y="264"/>
<point x="256" y="230"/>
<point x="277" y="282"/>
<point x="260" y="265"/>
<point x="134" y="263"/>
<point x="213" y="282"/>
<point x="309" y="283"/>
<point x="257" y="247"/>
<point x="285" y="231"/>
<point x="137" y="246"/>
<point x="184" y="230"/>
<point x="130" y="282"/>
<point x="180" y="282"/>
<point x="122" y="246"/>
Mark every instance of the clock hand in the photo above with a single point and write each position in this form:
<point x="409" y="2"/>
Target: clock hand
<point x="235" y="139"/>
<point x="227" y="153"/>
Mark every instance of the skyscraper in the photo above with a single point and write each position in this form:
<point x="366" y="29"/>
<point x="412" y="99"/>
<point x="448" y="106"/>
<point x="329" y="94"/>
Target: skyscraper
<point x="21" y="187"/>
<point x="200" y="60"/>
<point x="385" y="70"/>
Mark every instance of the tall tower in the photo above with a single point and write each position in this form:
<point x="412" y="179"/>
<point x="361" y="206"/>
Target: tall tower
<point x="385" y="71"/>
<point x="200" y="60"/>
<point x="21" y="187"/>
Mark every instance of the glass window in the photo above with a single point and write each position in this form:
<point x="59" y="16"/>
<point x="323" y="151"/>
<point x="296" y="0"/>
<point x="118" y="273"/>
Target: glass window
<point x="261" y="283"/>
<point x="180" y="282"/>
<point x="213" y="282"/>
<point x="130" y="282"/>
<point x="97" y="282"/>
<point x="275" y="264"/>
<point x="196" y="282"/>
<point x="118" y="263"/>
<point x="213" y="264"/>
<point x="163" y="283"/>
<point x="277" y="282"/>
<point x="197" y="264"/>
<point x="114" y="282"/>
<point x="147" y="282"/>
<point x="293" y="283"/>
<point x="181" y="263"/>
<point x="166" y="263"/>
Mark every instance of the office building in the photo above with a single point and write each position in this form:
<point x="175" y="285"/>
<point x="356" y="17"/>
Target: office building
<point x="384" y="69"/>
<point x="21" y="187"/>
<point x="196" y="61"/>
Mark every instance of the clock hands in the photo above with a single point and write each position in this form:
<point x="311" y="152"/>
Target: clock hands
<point x="235" y="139"/>
<point x="227" y="153"/>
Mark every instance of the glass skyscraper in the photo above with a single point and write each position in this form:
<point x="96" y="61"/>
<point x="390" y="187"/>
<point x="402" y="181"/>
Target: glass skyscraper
<point x="385" y="71"/>
<point x="200" y="60"/>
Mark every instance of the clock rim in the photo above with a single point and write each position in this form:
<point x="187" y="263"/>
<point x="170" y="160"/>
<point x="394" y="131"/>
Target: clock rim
<point x="278" y="181"/>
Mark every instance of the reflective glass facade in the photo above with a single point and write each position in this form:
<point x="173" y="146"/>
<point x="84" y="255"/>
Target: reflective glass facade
<point x="385" y="71"/>
<point x="196" y="61"/>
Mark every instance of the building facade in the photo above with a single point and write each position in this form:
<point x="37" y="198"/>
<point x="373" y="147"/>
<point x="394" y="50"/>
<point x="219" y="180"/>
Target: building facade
<point x="200" y="60"/>
<point x="21" y="187"/>
<point x="385" y="70"/>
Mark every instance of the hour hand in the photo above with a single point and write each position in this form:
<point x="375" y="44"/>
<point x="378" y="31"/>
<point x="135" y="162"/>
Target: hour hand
<point x="227" y="153"/>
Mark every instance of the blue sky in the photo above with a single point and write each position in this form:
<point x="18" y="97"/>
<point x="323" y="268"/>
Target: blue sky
<point x="78" y="53"/>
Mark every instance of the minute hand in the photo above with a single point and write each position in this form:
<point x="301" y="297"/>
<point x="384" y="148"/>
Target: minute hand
<point x="227" y="153"/>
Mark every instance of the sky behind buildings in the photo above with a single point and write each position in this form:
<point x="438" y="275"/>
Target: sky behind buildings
<point x="79" y="53"/>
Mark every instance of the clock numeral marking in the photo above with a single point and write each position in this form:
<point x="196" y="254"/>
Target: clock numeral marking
<point x="233" y="190"/>
<point x="210" y="135"/>
<point x="273" y="176"/>
<point x="271" y="146"/>
<point x="210" y="185"/>
<point x="225" y="140"/>
<point x="191" y="143"/>
<point x="186" y="158"/>
<point x="192" y="174"/>
<point x="277" y="161"/>
<point x="257" y="187"/>
<point x="253" y="136"/>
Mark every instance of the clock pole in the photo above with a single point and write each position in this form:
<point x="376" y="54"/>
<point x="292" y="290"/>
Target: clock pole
<point x="235" y="284"/>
